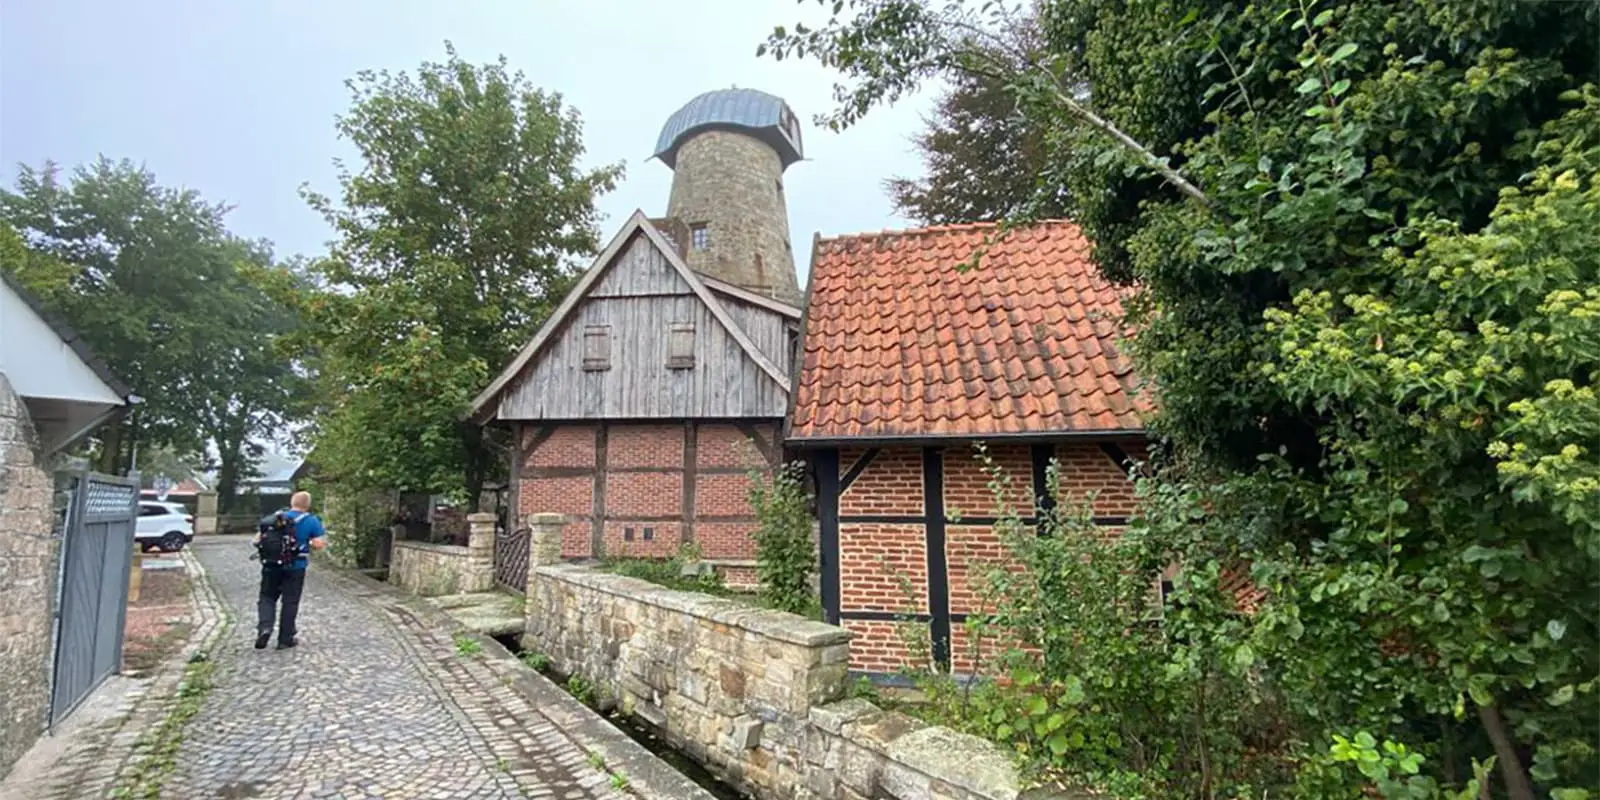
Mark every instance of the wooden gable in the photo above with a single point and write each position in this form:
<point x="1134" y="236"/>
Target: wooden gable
<point x="643" y="337"/>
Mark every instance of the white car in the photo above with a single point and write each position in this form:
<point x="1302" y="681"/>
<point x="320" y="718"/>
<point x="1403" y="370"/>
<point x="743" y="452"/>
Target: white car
<point x="165" y="525"/>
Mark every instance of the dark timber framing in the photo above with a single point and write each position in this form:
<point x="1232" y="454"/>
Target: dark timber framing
<point x="938" y="560"/>
<point x="825" y="465"/>
<point x="690" y="434"/>
<point x="831" y="485"/>
<point x="597" y="531"/>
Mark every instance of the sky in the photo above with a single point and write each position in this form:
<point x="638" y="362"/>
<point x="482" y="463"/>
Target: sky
<point x="237" y="100"/>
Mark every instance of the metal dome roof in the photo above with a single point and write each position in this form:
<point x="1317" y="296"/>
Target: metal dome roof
<point x="765" y="116"/>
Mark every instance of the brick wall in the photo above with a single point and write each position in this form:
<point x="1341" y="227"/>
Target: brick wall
<point x="28" y="553"/>
<point x="882" y="536"/>
<point x="649" y="472"/>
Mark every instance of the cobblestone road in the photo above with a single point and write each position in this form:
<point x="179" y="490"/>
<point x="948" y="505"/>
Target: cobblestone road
<point x="372" y="703"/>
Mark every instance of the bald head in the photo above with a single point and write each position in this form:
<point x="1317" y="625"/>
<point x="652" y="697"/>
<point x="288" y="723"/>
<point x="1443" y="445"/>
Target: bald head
<point x="301" y="501"/>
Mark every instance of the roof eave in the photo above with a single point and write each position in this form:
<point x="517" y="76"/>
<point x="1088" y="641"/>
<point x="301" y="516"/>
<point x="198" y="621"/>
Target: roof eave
<point x="1108" y="434"/>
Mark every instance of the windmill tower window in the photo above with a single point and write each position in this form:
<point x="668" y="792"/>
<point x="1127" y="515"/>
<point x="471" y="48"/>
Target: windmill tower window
<point x="596" y="347"/>
<point x="680" y="345"/>
<point x="699" y="236"/>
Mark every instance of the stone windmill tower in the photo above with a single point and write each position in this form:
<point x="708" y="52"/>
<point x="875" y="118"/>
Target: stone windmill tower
<point x="728" y="150"/>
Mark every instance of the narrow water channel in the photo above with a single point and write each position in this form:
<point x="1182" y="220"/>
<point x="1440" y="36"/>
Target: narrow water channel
<point x="644" y="733"/>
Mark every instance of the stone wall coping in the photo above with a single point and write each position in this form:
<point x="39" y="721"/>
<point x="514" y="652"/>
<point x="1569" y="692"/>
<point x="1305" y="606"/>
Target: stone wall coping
<point x="959" y="759"/>
<point x="433" y="547"/>
<point x="481" y="517"/>
<point x="779" y="625"/>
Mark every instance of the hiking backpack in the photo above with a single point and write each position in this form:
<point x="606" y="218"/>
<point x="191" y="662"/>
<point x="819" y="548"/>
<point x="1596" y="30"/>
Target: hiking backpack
<point x="279" y="547"/>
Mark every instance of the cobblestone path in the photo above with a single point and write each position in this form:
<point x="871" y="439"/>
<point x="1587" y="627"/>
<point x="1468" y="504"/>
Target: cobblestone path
<point x="372" y="703"/>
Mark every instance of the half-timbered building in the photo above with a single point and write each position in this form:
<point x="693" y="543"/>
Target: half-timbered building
<point x="907" y="363"/>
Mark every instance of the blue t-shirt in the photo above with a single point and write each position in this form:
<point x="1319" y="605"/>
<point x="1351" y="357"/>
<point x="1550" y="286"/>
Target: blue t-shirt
<point x="306" y="528"/>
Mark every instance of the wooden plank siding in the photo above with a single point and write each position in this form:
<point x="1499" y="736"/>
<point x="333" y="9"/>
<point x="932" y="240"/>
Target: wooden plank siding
<point x="640" y="298"/>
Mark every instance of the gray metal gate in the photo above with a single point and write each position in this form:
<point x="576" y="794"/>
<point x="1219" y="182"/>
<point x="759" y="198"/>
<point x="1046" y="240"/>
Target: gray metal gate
<point x="92" y="591"/>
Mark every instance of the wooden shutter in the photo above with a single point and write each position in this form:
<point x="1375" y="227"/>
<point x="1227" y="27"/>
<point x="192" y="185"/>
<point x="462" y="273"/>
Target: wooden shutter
<point x="680" y="345"/>
<point x="596" y="347"/>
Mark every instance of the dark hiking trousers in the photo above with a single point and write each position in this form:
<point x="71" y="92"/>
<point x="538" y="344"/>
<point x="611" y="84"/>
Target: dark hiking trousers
<point x="277" y="582"/>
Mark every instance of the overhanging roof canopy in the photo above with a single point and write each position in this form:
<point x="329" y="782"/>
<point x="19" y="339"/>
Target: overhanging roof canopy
<point x="68" y="391"/>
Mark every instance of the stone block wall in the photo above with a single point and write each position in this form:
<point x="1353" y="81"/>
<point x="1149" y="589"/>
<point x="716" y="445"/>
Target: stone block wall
<point x="438" y="569"/>
<point x="755" y="695"/>
<point x="28" y="553"/>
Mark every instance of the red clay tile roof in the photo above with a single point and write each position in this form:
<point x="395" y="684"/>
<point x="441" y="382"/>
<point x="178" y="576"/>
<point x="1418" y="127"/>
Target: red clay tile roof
<point x="899" y="343"/>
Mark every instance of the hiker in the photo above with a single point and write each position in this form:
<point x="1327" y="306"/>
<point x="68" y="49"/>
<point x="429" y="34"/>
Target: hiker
<point x="284" y="545"/>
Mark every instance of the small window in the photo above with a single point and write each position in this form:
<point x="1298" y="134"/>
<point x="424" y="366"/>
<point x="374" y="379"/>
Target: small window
<point x="700" y="236"/>
<point x="151" y="511"/>
<point x="649" y="533"/>
<point x="597" y="347"/>
<point x="680" y="345"/>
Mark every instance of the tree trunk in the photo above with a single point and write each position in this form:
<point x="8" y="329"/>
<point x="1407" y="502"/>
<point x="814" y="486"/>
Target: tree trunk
<point x="479" y="464"/>
<point x="1517" y="785"/>
<point x="110" y="449"/>
<point x="230" y="453"/>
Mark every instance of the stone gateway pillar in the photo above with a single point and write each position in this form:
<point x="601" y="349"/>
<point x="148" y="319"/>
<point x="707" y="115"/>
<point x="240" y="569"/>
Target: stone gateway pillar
<point x="205" y="513"/>
<point x="544" y="549"/>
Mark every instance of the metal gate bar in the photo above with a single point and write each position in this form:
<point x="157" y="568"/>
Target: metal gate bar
<point x="91" y="609"/>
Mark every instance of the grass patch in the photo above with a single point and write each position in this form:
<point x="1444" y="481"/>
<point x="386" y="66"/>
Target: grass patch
<point x="467" y="645"/>
<point x="668" y="573"/>
<point x="156" y="751"/>
<point x="538" y="662"/>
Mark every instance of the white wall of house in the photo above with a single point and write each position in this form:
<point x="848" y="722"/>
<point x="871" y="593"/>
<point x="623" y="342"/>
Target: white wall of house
<point x="38" y="363"/>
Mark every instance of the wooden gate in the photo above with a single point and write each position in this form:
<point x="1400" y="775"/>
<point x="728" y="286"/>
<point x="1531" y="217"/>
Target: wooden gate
<point x="511" y="559"/>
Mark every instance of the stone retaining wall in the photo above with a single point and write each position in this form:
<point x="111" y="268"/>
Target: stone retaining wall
<point x="437" y="569"/>
<point x="755" y="695"/>
<point x="28" y="552"/>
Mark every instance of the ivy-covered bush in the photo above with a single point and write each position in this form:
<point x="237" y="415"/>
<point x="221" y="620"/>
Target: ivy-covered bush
<point x="786" y="551"/>
<point x="1363" y="235"/>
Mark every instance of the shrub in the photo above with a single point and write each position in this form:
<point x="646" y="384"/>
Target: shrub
<point x="785" y="550"/>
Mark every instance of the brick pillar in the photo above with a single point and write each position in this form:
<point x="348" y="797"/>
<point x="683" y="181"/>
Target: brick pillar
<point x="544" y="549"/>
<point x="205" y="513"/>
<point x="480" y="550"/>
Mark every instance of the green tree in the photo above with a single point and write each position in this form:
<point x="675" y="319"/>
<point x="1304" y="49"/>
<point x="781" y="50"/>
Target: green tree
<point x="153" y="281"/>
<point x="455" y="239"/>
<point x="984" y="158"/>
<point x="1362" y="232"/>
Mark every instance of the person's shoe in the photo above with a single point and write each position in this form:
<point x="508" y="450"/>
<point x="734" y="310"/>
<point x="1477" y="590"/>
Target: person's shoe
<point x="285" y="645"/>
<point x="261" y="640"/>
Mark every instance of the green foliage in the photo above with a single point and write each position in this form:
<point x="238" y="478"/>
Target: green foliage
<point x="357" y="522"/>
<point x="983" y="158"/>
<point x="785" y="549"/>
<point x="165" y="296"/>
<point x="670" y="572"/>
<point x="581" y="689"/>
<point x="455" y="240"/>
<point x="1106" y="683"/>
<point x="538" y="662"/>
<point x="1353" y="765"/>
<point x="467" y="645"/>
<point x="1363" y="234"/>
<point x="156" y="751"/>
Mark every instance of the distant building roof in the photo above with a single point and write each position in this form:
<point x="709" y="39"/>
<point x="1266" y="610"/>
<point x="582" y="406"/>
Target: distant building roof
<point x="900" y="344"/>
<point x="764" y="116"/>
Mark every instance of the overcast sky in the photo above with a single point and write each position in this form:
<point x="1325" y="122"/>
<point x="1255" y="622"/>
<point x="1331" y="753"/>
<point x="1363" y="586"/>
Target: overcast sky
<point x="237" y="98"/>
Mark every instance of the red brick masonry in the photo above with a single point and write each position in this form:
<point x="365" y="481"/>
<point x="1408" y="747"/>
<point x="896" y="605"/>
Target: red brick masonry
<point x="884" y="569"/>
<point x="644" y="489"/>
